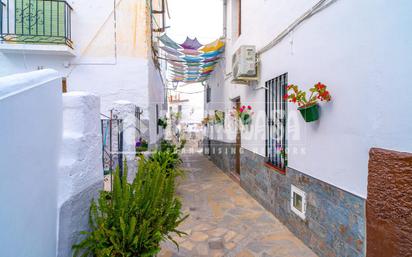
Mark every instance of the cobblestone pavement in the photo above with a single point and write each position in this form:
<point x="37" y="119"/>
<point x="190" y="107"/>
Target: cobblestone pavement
<point x="225" y="221"/>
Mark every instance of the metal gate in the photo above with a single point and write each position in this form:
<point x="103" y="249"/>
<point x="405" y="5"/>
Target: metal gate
<point x="112" y="148"/>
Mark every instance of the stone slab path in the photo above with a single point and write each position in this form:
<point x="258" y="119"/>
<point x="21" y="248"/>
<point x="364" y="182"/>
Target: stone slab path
<point x="225" y="221"/>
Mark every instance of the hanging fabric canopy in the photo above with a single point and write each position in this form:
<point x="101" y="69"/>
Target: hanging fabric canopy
<point x="171" y="51"/>
<point x="214" y="46"/>
<point x="190" y="61"/>
<point x="193" y="44"/>
<point x="211" y="54"/>
<point x="167" y="41"/>
<point x="208" y="64"/>
<point x="173" y="58"/>
<point x="191" y="52"/>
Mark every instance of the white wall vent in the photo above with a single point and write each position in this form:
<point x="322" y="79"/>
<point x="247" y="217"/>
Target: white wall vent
<point x="298" y="202"/>
<point x="244" y="64"/>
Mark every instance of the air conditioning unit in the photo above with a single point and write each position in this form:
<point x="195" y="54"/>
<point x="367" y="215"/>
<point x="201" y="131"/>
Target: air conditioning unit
<point x="244" y="64"/>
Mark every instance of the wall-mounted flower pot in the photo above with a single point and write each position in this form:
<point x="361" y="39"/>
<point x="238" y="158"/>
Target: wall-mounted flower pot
<point x="246" y="119"/>
<point x="310" y="113"/>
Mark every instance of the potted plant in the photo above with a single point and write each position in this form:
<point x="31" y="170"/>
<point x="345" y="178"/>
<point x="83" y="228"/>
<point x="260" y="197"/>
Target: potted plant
<point x="141" y="145"/>
<point x="219" y="117"/>
<point x="308" y="107"/>
<point x="162" y="122"/>
<point x="244" y="114"/>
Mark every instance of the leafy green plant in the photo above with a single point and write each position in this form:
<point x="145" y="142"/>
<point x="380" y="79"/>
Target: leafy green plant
<point x="162" y="122"/>
<point x="134" y="218"/>
<point x="182" y="144"/>
<point x="168" y="160"/>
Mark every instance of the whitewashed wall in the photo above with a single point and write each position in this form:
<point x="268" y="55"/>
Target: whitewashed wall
<point x="361" y="50"/>
<point x="156" y="96"/>
<point x="96" y="66"/>
<point x="80" y="173"/>
<point x="30" y="136"/>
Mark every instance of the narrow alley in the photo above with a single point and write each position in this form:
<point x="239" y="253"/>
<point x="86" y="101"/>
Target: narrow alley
<point x="226" y="221"/>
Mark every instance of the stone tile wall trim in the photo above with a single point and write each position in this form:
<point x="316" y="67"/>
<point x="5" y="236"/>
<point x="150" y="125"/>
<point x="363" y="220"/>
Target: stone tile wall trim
<point x="335" y="219"/>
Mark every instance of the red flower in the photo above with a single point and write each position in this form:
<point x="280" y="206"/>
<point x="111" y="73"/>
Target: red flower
<point x="294" y="99"/>
<point x="249" y="107"/>
<point x="286" y="97"/>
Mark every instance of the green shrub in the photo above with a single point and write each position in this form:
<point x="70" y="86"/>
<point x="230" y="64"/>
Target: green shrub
<point x="134" y="218"/>
<point x="166" y="145"/>
<point x="168" y="160"/>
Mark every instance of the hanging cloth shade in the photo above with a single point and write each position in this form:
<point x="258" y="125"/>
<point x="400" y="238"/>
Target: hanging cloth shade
<point x="191" y="44"/>
<point x="214" y="46"/>
<point x="171" y="51"/>
<point x="167" y="41"/>
<point x="206" y="72"/>
<point x="192" y="72"/>
<point x="211" y="54"/>
<point x="172" y="58"/>
<point x="211" y="59"/>
<point x="211" y="68"/>
<point x="188" y="63"/>
<point x="177" y="64"/>
<point x="193" y="68"/>
<point x="190" y="52"/>
<point x="192" y="59"/>
<point x="208" y="64"/>
<point x="194" y="64"/>
<point x="177" y="69"/>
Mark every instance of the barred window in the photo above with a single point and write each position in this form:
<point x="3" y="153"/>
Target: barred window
<point x="276" y="116"/>
<point x="208" y="93"/>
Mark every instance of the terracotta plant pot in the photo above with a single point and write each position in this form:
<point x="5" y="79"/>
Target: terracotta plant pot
<point x="310" y="113"/>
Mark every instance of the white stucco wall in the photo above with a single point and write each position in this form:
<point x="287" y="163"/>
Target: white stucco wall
<point x="114" y="69"/>
<point x="80" y="172"/>
<point x="156" y="97"/>
<point x="30" y="135"/>
<point x="80" y="161"/>
<point x="125" y="111"/>
<point x="361" y="50"/>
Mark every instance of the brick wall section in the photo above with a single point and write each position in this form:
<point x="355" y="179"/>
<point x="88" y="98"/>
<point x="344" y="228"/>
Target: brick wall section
<point x="222" y="154"/>
<point x="335" y="219"/>
<point x="389" y="204"/>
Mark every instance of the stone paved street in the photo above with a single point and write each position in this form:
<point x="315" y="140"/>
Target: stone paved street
<point x="225" y="221"/>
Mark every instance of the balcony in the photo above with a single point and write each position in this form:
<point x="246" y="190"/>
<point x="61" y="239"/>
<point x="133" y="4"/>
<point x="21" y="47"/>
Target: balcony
<point x="36" y="25"/>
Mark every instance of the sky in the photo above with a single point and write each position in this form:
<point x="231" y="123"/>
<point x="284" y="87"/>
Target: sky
<point x="195" y="18"/>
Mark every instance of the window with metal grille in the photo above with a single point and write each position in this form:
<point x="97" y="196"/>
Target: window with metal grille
<point x="276" y="116"/>
<point x="208" y="94"/>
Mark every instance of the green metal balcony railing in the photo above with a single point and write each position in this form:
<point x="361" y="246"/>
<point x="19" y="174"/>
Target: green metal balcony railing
<point x="36" y="22"/>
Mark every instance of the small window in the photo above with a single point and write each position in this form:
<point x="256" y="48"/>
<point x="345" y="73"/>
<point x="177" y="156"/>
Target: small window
<point x="298" y="202"/>
<point x="208" y="94"/>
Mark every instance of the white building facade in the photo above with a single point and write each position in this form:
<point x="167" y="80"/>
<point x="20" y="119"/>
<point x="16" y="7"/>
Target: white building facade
<point x="361" y="51"/>
<point x="102" y="47"/>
